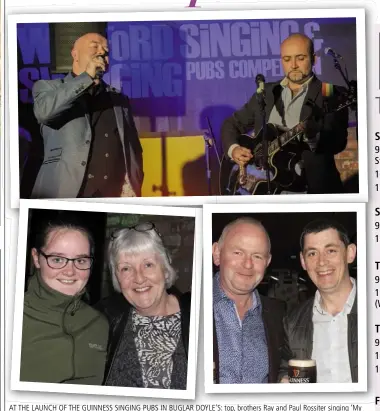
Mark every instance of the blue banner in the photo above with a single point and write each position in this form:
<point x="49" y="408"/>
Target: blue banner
<point x="179" y="73"/>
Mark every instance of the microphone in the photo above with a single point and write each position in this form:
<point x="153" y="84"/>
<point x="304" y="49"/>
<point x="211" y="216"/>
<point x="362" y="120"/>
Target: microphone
<point x="260" y="83"/>
<point x="99" y="72"/>
<point x="330" y="52"/>
<point x="209" y="135"/>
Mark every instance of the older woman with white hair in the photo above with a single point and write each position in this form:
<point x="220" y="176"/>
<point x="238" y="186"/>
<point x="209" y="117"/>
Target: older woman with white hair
<point x="149" y="325"/>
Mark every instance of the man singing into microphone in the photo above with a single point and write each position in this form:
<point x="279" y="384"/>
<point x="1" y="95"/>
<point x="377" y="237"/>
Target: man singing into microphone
<point x="298" y="96"/>
<point x="91" y="145"/>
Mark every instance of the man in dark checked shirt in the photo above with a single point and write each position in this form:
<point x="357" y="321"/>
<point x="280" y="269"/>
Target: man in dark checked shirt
<point x="248" y="331"/>
<point x="91" y="145"/>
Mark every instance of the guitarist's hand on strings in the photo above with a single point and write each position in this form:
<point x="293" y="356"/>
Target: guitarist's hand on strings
<point x="241" y="155"/>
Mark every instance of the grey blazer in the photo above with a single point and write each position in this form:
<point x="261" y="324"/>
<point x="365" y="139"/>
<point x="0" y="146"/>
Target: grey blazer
<point x="67" y="136"/>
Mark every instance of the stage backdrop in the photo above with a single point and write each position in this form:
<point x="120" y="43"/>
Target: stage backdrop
<point x="178" y="74"/>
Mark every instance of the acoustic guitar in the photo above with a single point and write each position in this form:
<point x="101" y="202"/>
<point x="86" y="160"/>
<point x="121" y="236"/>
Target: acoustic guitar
<point x="284" y="160"/>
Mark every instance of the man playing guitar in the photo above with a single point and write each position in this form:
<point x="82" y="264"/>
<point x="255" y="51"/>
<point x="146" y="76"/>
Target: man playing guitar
<point x="299" y="96"/>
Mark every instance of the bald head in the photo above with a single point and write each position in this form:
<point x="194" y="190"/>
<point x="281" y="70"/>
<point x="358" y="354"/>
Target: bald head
<point x="242" y="255"/>
<point x="86" y="48"/>
<point x="88" y="37"/>
<point x="300" y="38"/>
<point x="243" y="221"/>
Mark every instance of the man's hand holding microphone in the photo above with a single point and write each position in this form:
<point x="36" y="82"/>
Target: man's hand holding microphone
<point x="97" y="66"/>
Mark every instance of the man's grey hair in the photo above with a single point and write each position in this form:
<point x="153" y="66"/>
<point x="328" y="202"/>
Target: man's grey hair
<point x="242" y="220"/>
<point x="134" y="242"/>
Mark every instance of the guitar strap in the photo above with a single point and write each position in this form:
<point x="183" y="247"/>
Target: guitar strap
<point x="327" y="90"/>
<point x="327" y="93"/>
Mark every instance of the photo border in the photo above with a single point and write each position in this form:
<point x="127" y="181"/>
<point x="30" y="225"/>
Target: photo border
<point x="16" y="384"/>
<point x="361" y="386"/>
<point x="185" y="15"/>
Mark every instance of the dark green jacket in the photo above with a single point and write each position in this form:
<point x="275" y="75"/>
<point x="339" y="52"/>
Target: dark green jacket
<point x="64" y="340"/>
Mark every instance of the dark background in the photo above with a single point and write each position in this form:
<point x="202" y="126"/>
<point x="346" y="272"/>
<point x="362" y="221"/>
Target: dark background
<point x="285" y="278"/>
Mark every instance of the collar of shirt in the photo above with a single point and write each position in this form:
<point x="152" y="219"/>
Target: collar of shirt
<point x="220" y="295"/>
<point x="285" y="83"/>
<point x="347" y="306"/>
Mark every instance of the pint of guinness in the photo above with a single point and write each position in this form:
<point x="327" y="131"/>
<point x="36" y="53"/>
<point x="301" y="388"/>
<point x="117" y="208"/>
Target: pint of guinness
<point x="302" y="371"/>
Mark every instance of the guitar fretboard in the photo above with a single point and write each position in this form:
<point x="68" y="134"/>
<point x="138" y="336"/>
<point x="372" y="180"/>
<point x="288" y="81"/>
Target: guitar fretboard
<point x="284" y="138"/>
<point x="288" y="135"/>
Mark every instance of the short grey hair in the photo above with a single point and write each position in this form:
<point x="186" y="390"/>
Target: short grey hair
<point x="130" y="241"/>
<point x="242" y="220"/>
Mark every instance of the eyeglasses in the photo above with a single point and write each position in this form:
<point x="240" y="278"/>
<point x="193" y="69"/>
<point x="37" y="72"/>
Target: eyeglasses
<point x="57" y="262"/>
<point x="141" y="228"/>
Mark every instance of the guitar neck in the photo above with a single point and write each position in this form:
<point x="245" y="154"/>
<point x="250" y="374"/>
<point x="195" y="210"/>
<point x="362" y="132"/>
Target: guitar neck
<point x="284" y="138"/>
<point x="289" y="135"/>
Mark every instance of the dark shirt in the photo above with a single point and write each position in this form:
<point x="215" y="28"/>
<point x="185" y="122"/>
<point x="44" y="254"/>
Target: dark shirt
<point x="105" y="171"/>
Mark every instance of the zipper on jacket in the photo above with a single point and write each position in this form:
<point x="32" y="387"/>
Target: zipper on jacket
<point x="71" y="338"/>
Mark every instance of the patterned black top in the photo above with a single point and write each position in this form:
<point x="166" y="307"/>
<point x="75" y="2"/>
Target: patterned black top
<point x="156" y="339"/>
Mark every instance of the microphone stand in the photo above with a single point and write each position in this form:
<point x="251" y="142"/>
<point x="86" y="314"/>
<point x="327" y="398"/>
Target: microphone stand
<point x="262" y="105"/>
<point x="352" y="89"/>
<point x="210" y="142"/>
<point x="213" y="140"/>
<point x="339" y="68"/>
<point x="208" y="145"/>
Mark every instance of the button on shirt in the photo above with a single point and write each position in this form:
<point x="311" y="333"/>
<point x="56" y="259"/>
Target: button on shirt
<point x="330" y="348"/>
<point x="242" y="345"/>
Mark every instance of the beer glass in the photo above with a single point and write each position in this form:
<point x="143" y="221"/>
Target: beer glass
<point x="302" y="371"/>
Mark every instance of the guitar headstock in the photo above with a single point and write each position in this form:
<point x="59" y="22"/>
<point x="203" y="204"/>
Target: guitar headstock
<point x="347" y="100"/>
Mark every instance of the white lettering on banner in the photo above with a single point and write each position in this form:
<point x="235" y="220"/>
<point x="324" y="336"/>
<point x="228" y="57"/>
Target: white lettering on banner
<point x="155" y="60"/>
<point x="250" y="68"/>
<point x="142" y="42"/>
<point x="142" y="52"/>
<point x="34" y="43"/>
<point x="205" y="70"/>
<point x="241" y="39"/>
<point x="34" y="46"/>
<point x="141" y="80"/>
